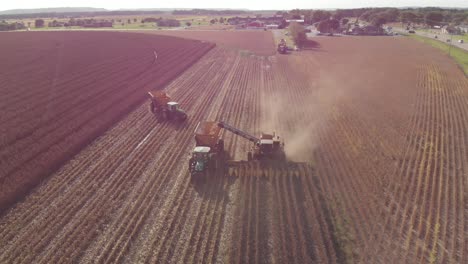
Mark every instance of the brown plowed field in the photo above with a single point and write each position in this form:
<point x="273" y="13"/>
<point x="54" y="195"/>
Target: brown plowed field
<point x="378" y="127"/>
<point x="258" y="42"/>
<point x="60" y="90"/>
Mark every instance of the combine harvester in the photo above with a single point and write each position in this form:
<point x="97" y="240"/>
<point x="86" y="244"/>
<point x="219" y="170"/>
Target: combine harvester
<point x="162" y="106"/>
<point x="208" y="156"/>
<point x="282" y="47"/>
<point x="267" y="147"/>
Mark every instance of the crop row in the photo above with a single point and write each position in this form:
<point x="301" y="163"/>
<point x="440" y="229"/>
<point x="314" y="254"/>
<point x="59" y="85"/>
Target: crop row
<point x="81" y="107"/>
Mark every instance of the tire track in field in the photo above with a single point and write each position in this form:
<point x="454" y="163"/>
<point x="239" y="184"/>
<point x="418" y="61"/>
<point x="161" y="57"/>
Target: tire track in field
<point x="67" y="207"/>
<point x="235" y="115"/>
<point x="156" y="183"/>
<point x="214" y="85"/>
<point x="150" y="148"/>
<point x="66" y="178"/>
<point x="162" y="247"/>
<point x="72" y="203"/>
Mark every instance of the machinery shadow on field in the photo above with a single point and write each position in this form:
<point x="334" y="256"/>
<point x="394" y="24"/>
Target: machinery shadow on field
<point x="266" y="169"/>
<point x="213" y="186"/>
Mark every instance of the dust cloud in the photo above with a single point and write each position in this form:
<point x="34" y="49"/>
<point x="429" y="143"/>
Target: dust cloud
<point x="300" y="114"/>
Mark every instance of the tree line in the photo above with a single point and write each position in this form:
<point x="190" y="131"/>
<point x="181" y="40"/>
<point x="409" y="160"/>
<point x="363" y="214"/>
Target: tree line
<point x="81" y="14"/>
<point x="5" y="26"/>
<point x="208" y="12"/>
<point x="378" y="16"/>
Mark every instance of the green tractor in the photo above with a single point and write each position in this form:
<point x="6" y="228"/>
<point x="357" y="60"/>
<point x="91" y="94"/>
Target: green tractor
<point x="207" y="156"/>
<point x="203" y="161"/>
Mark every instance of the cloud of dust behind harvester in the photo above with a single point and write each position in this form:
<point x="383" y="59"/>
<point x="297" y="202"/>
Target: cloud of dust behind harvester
<point x="298" y="120"/>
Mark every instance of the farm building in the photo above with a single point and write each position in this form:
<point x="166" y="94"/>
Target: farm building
<point x="463" y="28"/>
<point x="300" y="21"/>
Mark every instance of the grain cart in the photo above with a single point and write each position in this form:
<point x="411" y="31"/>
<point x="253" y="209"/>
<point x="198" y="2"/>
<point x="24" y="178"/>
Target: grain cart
<point x="162" y="106"/>
<point x="267" y="147"/>
<point x="207" y="156"/>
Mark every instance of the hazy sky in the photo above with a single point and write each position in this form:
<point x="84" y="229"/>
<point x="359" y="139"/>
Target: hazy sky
<point x="250" y="4"/>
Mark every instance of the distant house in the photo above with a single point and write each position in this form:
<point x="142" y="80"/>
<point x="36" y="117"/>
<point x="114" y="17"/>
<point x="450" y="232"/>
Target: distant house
<point x="300" y="21"/>
<point x="272" y="26"/>
<point x="255" y="25"/>
<point x="463" y="28"/>
<point x="444" y="30"/>
<point x="451" y="30"/>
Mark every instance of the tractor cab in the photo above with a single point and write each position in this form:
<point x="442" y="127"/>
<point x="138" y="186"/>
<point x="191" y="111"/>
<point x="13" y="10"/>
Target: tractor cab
<point x="200" y="159"/>
<point x="269" y="143"/>
<point x="173" y="106"/>
<point x="266" y="145"/>
<point x="175" y="112"/>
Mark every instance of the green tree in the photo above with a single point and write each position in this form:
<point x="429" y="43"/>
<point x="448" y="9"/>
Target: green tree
<point x="459" y="18"/>
<point x="341" y="14"/>
<point x="320" y="15"/>
<point x="334" y="24"/>
<point x="221" y="20"/>
<point x="324" y="26"/>
<point x="39" y="23"/>
<point x="408" y="17"/>
<point x="378" y="20"/>
<point x="295" y="14"/>
<point x="188" y="24"/>
<point x="391" y="14"/>
<point x="366" y="15"/>
<point x="433" y="18"/>
<point x="344" y="21"/>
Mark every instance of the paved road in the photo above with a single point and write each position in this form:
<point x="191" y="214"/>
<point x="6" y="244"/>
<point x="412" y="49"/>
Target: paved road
<point x="440" y="37"/>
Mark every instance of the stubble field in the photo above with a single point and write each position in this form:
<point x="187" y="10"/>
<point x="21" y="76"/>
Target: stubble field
<point x="378" y="127"/>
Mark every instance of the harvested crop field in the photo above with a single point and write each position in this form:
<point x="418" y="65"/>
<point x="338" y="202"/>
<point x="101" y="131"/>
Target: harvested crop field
<point x="377" y="127"/>
<point x="258" y="42"/>
<point x="60" y="90"/>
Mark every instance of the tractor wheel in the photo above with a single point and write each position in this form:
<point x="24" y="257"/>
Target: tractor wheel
<point x="214" y="162"/>
<point x="221" y="145"/>
<point x="191" y="164"/>
<point x="151" y="107"/>
<point x="165" y="115"/>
